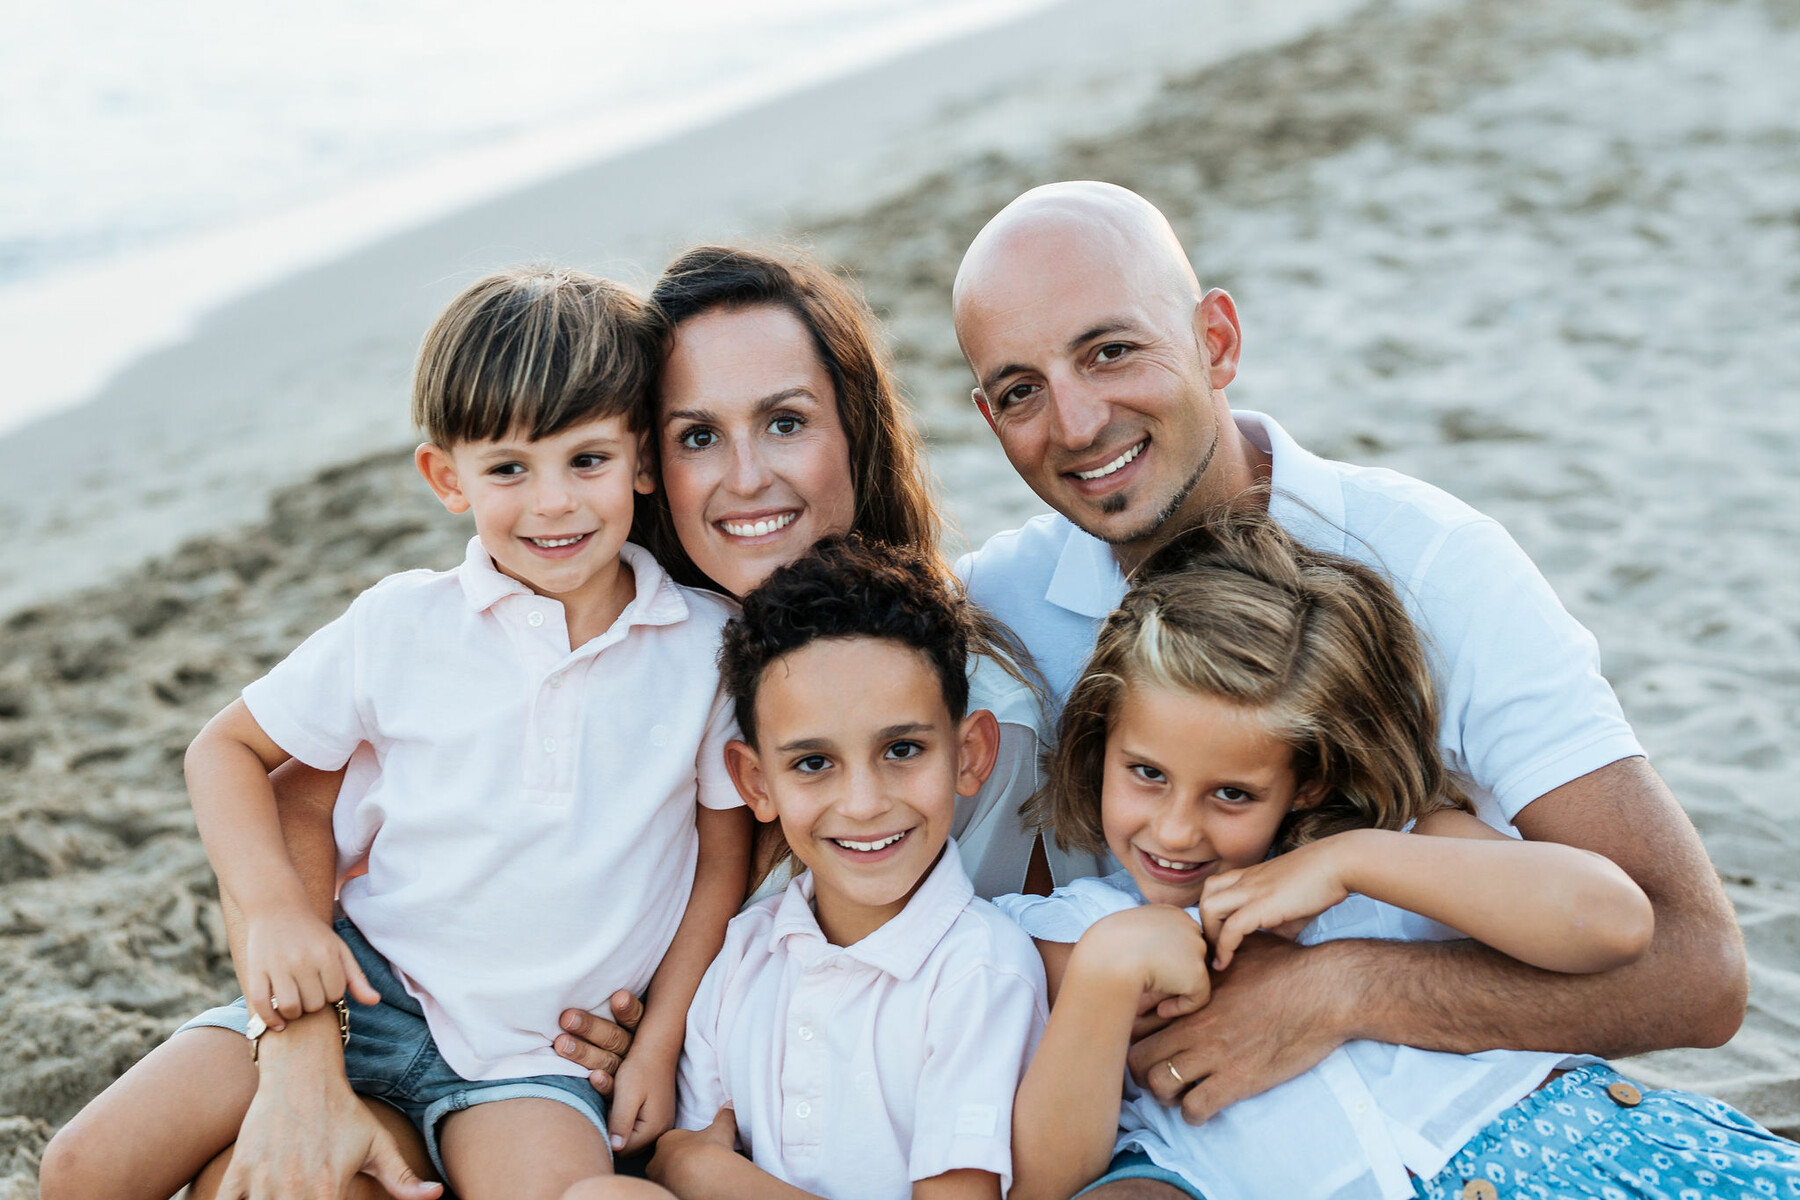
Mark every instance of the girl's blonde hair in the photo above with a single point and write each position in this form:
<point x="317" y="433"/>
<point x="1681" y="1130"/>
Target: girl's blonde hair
<point x="1318" y="643"/>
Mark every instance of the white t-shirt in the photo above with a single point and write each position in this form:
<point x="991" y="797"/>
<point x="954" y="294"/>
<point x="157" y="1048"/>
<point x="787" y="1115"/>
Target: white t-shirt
<point x="529" y="827"/>
<point x="1524" y="708"/>
<point x="855" y="1071"/>
<point x="1350" y="1128"/>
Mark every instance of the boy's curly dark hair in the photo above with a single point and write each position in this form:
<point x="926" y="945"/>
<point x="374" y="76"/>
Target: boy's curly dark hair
<point x="843" y="588"/>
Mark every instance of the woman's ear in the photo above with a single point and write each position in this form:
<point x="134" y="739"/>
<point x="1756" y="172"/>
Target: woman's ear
<point x="439" y="469"/>
<point x="745" y="769"/>
<point x="980" y="747"/>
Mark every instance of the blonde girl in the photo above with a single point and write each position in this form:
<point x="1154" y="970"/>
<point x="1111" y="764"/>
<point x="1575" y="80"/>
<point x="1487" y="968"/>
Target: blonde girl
<point x="1254" y="741"/>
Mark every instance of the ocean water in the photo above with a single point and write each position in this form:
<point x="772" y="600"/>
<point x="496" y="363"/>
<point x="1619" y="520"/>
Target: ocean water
<point x="187" y="150"/>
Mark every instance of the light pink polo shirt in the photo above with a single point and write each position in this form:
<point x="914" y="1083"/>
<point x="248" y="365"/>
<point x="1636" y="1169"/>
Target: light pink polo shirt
<point x="855" y="1071"/>
<point x="529" y="828"/>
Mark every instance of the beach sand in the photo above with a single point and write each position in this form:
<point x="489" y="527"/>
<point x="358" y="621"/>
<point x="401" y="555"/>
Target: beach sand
<point x="1544" y="256"/>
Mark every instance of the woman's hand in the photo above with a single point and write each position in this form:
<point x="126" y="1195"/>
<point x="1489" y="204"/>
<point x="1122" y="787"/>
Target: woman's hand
<point x="1280" y="895"/>
<point x="1159" y="949"/>
<point x="294" y="964"/>
<point x="598" y="1044"/>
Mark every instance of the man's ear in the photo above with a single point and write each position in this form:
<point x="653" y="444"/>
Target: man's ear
<point x="1219" y="336"/>
<point x="645" y="483"/>
<point x="980" y="399"/>
<point x="980" y="747"/>
<point x="439" y="470"/>
<point x="745" y="769"/>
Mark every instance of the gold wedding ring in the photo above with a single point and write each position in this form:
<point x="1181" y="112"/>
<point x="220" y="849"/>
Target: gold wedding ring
<point x="1176" y="1074"/>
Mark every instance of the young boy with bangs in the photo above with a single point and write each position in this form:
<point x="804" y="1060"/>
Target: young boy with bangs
<point x="859" y="1037"/>
<point x="548" y="738"/>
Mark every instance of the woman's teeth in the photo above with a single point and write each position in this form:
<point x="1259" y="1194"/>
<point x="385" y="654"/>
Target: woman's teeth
<point x="1115" y="464"/>
<point x="867" y="847"/>
<point x="553" y="543"/>
<point x="1170" y="865"/>
<point x="758" y="528"/>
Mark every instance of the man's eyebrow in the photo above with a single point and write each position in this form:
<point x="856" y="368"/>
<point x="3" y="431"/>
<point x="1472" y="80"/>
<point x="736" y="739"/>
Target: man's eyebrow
<point x="772" y="400"/>
<point x="997" y="374"/>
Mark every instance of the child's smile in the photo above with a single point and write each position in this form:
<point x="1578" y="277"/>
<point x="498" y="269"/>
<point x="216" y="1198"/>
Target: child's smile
<point x="1192" y="786"/>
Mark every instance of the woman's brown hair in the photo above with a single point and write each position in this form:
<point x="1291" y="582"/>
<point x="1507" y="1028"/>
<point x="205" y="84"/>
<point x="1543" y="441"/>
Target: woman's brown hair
<point x="894" y="502"/>
<point x="1318" y="643"/>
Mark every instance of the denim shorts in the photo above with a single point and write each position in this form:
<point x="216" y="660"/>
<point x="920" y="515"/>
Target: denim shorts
<point x="1593" y="1132"/>
<point x="391" y="1056"/>
<point x="1135" y="1164"/>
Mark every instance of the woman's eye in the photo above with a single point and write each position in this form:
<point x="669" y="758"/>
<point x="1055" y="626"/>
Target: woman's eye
<point x="812" y="764"/>
<point x="1147" y="773"/>
<point x="697" y="438"/>
<point x="785" y="424"/>
<point x="1233" y="795"/>
<point x="905" y="750"/>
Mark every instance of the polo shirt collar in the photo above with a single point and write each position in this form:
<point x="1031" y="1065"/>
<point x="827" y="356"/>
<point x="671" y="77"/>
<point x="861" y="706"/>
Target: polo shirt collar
<point x="1306" y="499"/>
<point x="657" y="599"/>
<point x="1306" y="496"/>
<point x="898" y="948"/>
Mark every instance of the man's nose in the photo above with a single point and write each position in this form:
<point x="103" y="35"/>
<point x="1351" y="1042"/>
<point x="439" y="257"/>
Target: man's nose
<point x="1078" y="412"/>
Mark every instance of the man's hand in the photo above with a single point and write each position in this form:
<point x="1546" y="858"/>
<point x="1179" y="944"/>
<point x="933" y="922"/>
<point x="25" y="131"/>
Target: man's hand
<point x="598" y="1044"/>
<point x="295" y="964"/>
<point x="1274" y="1015"/>
<point x="682" y="1155"/>
<point x="309" y="1137"/>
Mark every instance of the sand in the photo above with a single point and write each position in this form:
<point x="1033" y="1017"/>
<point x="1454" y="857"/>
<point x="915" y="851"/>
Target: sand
<point x="1541" y="255"/>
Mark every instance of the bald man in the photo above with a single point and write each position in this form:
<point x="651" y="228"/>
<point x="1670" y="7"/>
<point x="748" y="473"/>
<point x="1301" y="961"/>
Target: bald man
<point x="1101" y="365"/>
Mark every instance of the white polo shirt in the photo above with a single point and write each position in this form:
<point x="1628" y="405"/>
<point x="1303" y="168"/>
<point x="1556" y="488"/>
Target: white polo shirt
<point x="529" y="828"/>
<point x="856" y="1071"/>
<point x="1523" y="704"/>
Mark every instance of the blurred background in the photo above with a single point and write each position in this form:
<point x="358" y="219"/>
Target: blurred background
<point x="1545" y="256"/>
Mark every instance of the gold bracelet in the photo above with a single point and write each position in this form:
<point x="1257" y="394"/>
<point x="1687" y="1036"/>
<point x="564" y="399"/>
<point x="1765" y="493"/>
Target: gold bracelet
<point x="255" y="1027"/>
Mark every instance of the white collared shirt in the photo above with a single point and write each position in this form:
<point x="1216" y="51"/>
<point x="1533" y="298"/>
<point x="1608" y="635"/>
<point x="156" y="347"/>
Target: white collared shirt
<point x="856" y="1071"/>
<point x="529" y="825"/>
<point x="1523" y="706"/>
<point x="1350" y="1128"/>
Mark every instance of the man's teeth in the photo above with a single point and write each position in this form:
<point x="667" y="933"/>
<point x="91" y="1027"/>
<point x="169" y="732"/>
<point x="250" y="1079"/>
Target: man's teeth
<point x="883" y="844"/>
<point x="758" y="528"/>
<point x="553" y="543"/>
<point x="1114" y="465"/>
<point x="1169" y="865"/>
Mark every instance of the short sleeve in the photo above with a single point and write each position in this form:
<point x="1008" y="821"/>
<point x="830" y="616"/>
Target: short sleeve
<point x="308" y="704"/>
<point x="1525" y="706"/>
<point x="982" y="1029"/>
<point x="1065" y="914"/>
<point x="700" y="1091"/>
<point x="715" y="788"/>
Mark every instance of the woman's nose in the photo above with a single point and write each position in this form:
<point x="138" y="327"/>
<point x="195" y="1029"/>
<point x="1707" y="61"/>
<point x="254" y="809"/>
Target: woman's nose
<point x="750" y="474"/>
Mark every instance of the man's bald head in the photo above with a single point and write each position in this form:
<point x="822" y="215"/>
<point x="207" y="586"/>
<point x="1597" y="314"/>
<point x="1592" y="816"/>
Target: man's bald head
<point x="1098" y="362"/>
<point x="1111" y="227"/>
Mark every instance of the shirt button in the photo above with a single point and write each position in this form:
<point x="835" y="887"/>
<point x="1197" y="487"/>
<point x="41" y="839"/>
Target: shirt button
<point x="805" y="1032"/>
<point x="1623" y="1094"/>
<point x="1480" y="1189"/>
<point x="556" y="681"/>
<point x="1362" y="1106"/>
<point x="534" y="619"/>
<point x="549" y="745"/>
<point x="803" y="1110"/>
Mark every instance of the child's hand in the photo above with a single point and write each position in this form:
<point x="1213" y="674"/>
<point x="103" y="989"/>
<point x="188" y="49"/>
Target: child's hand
<point x="1161" y="949"/>
<point x="679" y="1164"/>
<point x="294" y="964"/>
<point x="643" y="1103"/>
<point x="1280" y="895"/>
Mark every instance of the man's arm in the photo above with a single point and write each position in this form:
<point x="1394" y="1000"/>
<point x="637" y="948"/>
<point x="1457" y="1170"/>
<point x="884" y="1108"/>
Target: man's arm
<point x="1282" y="1008"/>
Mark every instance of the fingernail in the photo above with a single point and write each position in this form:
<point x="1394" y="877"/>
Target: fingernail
<point x="570" y="1022"/>
<point x="618" y="1143"/>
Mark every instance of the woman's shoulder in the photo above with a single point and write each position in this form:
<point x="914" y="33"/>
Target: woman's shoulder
<point x="1066" y="913"/>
